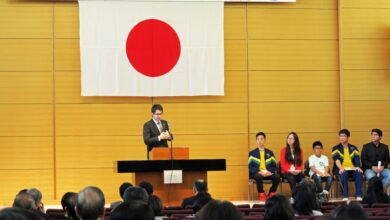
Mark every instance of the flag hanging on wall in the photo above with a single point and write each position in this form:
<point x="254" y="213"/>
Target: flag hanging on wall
<point x="151" y="48"/>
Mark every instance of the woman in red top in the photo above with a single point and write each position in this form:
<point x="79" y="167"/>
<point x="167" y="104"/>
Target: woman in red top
<point x="291" y="161"/>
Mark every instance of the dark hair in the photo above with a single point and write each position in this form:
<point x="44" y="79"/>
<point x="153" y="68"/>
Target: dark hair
<point x="278" y="207"/>
<point x="345" y="131"/>
<point x="132" y="210"/>
<point x="36" y="194"/>
<point x="260" y="133"/>
<point x="317" y="143"/>
<point x="352" y="211"/>
<point x="305" y="200"/>
<point x="147" y="186"/>
<point x="200" y="185"/>
<point x="68" y="203"/>
<point x="25" y="201"/>
<point x="297" y="151"/>
<point x="156" y="205"/>
<point x="90" y="203"/>
<point x="375" y="191"/>
<point x="156" y="107"/>
<point x="19" y="214"/>
<point x="378" y="131"/>
<point x="219" y="210"/>
<point x="136" y="193"/>
<point x="123" y="188"/>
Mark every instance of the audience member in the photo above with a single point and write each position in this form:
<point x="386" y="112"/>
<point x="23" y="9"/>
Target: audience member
<point x="132" y="210"/>
<point x="136" y="193"/>
<point x="305" y="200"/>
<point x="122" y="190"/>
<point x="68" y="203"/>
<point x="375" y="192"/>
<point x="200" y="191"/>
<point x="277" y="208"/>
<point x="90" y="204"/>
<point x="353" y="211"/>
<point x="219" y="210"/>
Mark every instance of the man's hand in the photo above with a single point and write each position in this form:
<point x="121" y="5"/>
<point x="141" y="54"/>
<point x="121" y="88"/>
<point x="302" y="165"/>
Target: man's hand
<point x="359" y="170"/>
<point x="164" y="135"/>
<point x="341" y="170"/>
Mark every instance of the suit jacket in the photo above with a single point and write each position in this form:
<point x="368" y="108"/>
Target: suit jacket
<point x="151" y="134"/>
<point x="191" y="200"/>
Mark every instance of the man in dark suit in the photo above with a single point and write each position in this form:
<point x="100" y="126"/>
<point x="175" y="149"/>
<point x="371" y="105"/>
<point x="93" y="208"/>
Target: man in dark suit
<point x="200" y="191"/>
<point x="156" y="131"/>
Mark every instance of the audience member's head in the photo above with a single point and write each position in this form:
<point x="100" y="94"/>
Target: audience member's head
<point x="123" y="188"/>
<point x="375" y="191"/>
<point x="132" y="210"/>
<point x="353" y="211"/>
<point x="305" y="199"/>
<point x="25" y="201"/>
<point x="68" y="202"/>
<point x="200" y="185"/>
<point x="219" y="210"/>
<point x="135" y="193"/>
<point x="90" y="203"/>
<point x="278" y="207"/>
<point x="37" y="196"/>
<point x="147" y="186"/>
<point x="19" y="214"/>
<point x="156" y="205"/>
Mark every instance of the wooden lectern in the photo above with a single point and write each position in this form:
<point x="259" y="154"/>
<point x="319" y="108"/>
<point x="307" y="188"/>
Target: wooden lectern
<point x="164" y="153"/>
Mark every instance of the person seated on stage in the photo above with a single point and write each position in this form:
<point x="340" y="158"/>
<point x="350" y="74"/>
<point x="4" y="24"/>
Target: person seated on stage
<point x="90" y="204"/>
<point x="132" y="210"/>
<point x="375" y="192"/>
<point x="262" y="166"/>
<point x="319" y="168"/>
<point x="200" y="191"/>
<point x="353" y="211"/>
<point x="68" y="202"/>
<point x="219" y="210"/>
<point x="156" y="131"/>
<point x="375" y="158"/>
<point x="305" y="200"/>
<point x="122" y="190"/>
<point x="136" y="193"/>
<point x="278" y="207"/>
<point x="347" y="163"/>
<point x="291" y="161"/>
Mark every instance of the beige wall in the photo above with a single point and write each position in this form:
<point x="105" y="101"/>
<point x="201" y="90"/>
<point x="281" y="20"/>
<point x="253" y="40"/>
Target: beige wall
<point x="311" y="67"/>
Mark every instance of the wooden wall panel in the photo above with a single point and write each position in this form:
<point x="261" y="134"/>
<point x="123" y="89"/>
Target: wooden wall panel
<point x="306" y="4"/>
<point x="366" y="23"/>
<point x="291" y="24"/>
<point x="232" y="147"/>
<point x="26" y="153"/>
<point x="26" y="55"/>
<point x="74" y="180"/>
<point x="207" y="118"/>
<point x="101" y="119"/>
<point x="230" y="185"/>
<point x="366" y="54"/>
<point x="294" y="116"/>
<point x="97" y="151"/>
<point x="12" y="181"/>
<point x="66" y="22"/>
<point x="26" y="22"/>
<point x="235" y="21"/>
<point x="292" y="55"/>
<point x="235" y="55"/>
<point x="67" y="55"/>
<point x="369" y="85"/>
<point x="68" y="90"/>
<point x="365" y="115"/>
<point x="236" y="90"/>
<point x="26" y="120"/>
<point x="378" y="4"/>
<point x="26" y="87"/>
<point x="272" y="86"/>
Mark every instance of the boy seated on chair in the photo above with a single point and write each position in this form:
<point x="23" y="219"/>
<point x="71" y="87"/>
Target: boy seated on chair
<point x="262" y="166"/>
<point x="319" y="169"/>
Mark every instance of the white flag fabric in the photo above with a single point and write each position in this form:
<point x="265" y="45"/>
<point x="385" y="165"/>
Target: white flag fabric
<point x="151" y="48"/>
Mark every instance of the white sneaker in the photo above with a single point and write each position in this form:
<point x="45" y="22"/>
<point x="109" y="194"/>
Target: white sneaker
<point x="325" y="192"/>
<point x="345" y="199"/>
<point x="359" y="198"/>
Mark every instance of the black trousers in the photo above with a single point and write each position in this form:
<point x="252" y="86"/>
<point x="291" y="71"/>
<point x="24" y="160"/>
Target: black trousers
<point x="293" y="179"/>
<point x="259" y="182"/>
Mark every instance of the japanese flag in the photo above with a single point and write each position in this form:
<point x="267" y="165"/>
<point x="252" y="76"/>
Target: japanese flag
<point x="151" y="48"/>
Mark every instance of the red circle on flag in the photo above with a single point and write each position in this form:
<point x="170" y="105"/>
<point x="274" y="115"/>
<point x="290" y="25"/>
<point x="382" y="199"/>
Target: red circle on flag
<point x="153" y="47"/>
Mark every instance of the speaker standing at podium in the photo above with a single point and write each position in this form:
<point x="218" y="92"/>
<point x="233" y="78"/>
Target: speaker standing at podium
<point x="156" y="131"/>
